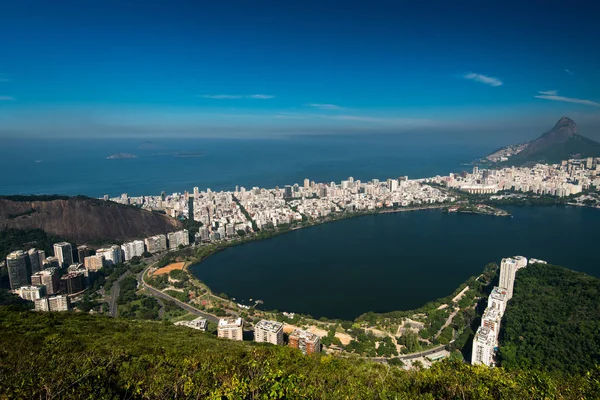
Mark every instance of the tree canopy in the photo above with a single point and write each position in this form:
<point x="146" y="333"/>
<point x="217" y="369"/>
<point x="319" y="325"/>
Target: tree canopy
<point x="553" y="321"/>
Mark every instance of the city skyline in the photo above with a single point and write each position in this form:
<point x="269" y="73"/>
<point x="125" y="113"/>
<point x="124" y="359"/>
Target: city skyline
<point x="231" y="69"/>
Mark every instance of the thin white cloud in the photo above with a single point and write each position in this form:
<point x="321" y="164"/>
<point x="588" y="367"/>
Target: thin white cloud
<point x="236" y="96"/>
<point x="553" y="95"/>
<point x="261" y="96"/>
<point x="325" y="106"/>
<point x="6" y="98"/>
<point x="568" y="72"/>
<point x="488" y="80"/>
<point x="549" y="92"/>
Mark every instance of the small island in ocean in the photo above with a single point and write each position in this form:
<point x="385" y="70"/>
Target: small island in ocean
<point x="120" y="156"/>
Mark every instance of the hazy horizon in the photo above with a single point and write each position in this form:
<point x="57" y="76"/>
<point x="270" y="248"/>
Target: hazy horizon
<point x="481" y="71"/>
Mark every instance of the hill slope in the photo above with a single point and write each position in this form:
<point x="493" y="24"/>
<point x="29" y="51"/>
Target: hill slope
<point x="560" y="143"/>
<point x="552" y="321"/>
<point x="62" y="355"/>
<point x="82" y="219"/>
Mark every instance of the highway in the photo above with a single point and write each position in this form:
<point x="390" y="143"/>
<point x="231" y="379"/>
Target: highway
<point x="114" y="295"/>
<point x="422" y="353"/>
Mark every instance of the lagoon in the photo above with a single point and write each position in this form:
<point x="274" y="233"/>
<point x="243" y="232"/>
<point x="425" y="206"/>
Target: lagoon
<point x="395" y="261"/>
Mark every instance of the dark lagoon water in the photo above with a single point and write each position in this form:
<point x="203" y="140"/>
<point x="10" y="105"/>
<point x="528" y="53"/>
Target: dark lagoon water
<point x="395" y="261"/>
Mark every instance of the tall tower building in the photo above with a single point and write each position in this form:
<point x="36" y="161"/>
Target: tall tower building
<point x="48" y="278"/>
<point x="64" y="252"/>
<point x="306" y="183"/>
<point x="508" y="271"/>
<point x="196" y="192"/>
<point x="16" y="262"/>
<point x="483" y="347"/>
<point x="82" y="252"/>
<point x="35" y="258"/>
<point x="191" y="208"/>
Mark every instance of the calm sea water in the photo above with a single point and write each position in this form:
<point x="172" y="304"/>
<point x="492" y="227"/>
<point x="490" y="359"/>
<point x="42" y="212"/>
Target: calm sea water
<point x="395" y="261"/>
<point x="74" y="167"/>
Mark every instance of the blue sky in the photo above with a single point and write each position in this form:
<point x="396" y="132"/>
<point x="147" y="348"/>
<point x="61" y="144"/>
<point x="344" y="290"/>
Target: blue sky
<point x="267" y="68"/>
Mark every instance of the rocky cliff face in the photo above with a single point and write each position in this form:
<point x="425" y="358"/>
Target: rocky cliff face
<point x="84" y="220"/>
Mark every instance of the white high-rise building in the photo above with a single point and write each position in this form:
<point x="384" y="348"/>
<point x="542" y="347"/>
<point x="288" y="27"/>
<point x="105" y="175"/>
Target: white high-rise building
<point x="508" y="271"/>
<point x="178" y="238"/>
<point x="269" y="332"/>
<point x="498" y="299"/>
<point x="491" y="319"/>
<point x="484" y="345"/>
<point x="133" y="249"/>
<point x="54" y="303"/>
<point x="64" y="252"/>
<point x="306" y="183"/>
<point x="112" y="254"/>
<point x="230" y="329"/>
<point x="156" y="244"/>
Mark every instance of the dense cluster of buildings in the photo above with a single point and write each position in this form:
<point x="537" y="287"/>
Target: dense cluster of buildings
<point x="567" y="178"/>
<point x="50" y="281"/>
<point x="272" y="207"/>
<point x="265" y="331"/>
<point x="228" y="214"/>
<point x="485" y="342"/>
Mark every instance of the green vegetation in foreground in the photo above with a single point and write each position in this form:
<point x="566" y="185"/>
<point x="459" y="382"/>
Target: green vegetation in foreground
<point x="552" y="322"/>
<point x="65" y="355"/>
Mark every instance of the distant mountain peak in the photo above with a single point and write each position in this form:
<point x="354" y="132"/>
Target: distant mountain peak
<point x="563" y="130"/>
<point x="559" y="143"/>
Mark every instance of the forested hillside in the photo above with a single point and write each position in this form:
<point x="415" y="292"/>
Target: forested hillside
<point x="56" y="355"/>
<point x="552" y="321"/>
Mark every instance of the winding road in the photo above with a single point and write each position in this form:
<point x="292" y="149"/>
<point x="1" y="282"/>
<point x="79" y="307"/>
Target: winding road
<point x="164" y="296"/>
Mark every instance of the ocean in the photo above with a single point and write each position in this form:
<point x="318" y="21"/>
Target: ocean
<point x="81" y="167"/>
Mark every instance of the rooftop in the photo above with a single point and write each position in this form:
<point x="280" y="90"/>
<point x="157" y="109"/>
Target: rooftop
<point x="230" y="323"/>
<point x="271" y="326"/>
<point x="30" y="288"/>
<point x="16" y="254"/>
<point x="301" y="334"/>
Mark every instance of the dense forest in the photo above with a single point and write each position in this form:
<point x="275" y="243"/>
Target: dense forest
<point x="24" y="239"/>
<point x="552" y="321"/>
<point x="66" y="355"/>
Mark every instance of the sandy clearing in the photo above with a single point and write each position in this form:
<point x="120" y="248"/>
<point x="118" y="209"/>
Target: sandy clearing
<point x="169" y="268"/>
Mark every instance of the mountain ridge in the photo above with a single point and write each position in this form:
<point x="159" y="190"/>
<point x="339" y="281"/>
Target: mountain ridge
<point x="82" y="219"/>
<point x="562" y="142"/>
